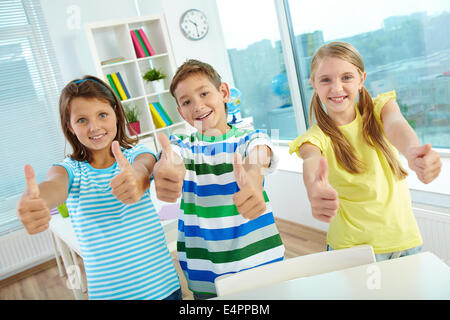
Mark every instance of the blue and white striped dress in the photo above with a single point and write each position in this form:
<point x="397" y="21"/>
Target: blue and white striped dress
<point x="123" y="246"/>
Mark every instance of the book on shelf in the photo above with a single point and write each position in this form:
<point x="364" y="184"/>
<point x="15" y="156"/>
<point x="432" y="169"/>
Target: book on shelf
<point x="119" y="88"/>
<point x="157" y="119"/>
<point x="146" y="42"/>
<point x="147" y="54"/>
<point x="113" y="86"/>
<point x="137" y="45"/>
<point x="122" y="83"/>
<point x="162" y="113"/>
<point x="141" y="43"/>
<point x="113" y="60"/>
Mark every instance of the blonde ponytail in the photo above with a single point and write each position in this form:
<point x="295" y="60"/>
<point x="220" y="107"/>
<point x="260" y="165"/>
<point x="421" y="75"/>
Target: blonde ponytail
<point x="373" y="133"/>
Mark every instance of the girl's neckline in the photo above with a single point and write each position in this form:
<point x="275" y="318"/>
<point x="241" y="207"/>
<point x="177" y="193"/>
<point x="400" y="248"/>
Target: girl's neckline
<point x="101" y="169"/>
<point x="108" y="155"/>
<point x="111" y="166"/>
<point x="357" y="115"/>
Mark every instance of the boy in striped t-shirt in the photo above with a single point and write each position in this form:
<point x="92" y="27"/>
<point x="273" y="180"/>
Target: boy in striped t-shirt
<point x="226" y="223"/>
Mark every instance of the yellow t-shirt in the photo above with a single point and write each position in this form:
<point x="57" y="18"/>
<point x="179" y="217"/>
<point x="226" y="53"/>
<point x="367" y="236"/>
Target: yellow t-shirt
<point x="374" y="206"/>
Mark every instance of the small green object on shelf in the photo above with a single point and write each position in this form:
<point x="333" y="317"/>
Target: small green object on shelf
<point x="63" y="210"/>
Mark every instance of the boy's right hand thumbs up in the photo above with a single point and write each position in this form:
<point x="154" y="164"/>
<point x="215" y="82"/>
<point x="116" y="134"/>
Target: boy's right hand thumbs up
<point x="324" y="199"/>
<point x="31" y="209"/>
<point x="168" y="172"/>
<point x="249" y="200"/>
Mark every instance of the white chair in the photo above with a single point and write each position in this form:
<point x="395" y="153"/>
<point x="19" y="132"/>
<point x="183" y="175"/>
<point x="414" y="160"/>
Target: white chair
<point x="298" y="267"/>
<point x="170" y="226"/>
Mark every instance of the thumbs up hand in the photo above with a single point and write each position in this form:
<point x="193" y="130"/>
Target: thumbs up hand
<point x="249" y="200"/>
<point x="125" y="186"/>
<point x="425" y="162"/>
<point x="323" y="198"/>
<point x="32" y="210"/>
<point x="168" y="172"/>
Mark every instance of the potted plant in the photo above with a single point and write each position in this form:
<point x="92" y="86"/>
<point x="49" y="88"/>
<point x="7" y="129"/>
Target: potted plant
<point x="132" y="115"/>
<point x="156" y="78"/>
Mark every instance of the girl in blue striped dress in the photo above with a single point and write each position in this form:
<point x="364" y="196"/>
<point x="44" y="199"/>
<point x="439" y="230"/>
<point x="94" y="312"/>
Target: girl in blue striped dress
<point x="105" y="184"/>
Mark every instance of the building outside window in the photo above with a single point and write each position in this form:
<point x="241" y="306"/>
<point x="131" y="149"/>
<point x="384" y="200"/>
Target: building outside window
<point x="405" y="46"/>
<point x="257" y="63"/>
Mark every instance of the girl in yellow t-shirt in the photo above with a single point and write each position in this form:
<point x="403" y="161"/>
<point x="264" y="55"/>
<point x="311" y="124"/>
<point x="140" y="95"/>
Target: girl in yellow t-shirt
<point x="351" y="169"/>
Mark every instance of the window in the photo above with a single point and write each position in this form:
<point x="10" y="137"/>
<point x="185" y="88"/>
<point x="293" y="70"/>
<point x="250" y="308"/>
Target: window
<point x="257" y="63"/>
<point x="405" y="46"/>
<point x="30" y="130"/>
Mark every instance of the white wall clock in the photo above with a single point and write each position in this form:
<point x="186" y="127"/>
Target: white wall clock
<point x="194" y="24"/>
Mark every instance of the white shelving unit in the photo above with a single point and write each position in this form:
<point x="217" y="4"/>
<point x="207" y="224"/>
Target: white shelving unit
<point x="111" y="39"/>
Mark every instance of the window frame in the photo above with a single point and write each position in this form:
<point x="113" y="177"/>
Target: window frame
<point x="293" y="70"/>
<point x="435" y="195"/>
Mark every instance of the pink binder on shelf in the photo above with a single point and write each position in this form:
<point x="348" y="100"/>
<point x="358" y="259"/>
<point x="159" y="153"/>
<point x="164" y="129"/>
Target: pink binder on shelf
<point x="146" y="42"/>
<point x="137" y="45"/>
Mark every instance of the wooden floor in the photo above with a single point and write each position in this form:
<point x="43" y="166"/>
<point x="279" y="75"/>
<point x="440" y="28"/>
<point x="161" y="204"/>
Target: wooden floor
<point x="44" y="283"/>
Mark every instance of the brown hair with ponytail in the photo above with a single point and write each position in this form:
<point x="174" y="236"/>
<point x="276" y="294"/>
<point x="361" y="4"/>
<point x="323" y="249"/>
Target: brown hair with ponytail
<point x="372" y="131"/>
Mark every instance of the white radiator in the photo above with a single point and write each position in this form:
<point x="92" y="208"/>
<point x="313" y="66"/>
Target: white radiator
<point x="434" y="224"/>
<point x="20" y="251"/>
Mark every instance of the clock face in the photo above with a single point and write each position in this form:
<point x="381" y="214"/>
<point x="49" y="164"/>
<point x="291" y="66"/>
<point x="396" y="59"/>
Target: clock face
<point x="194" y="24"/>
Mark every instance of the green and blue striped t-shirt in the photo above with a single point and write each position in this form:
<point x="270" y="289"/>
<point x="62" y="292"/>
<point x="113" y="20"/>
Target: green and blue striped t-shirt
<point x="213" y="238"/>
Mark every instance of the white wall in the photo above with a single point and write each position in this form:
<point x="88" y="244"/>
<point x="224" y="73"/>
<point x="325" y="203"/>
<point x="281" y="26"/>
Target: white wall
<point x="210" y="49"/>
<point x="66" y="18"/>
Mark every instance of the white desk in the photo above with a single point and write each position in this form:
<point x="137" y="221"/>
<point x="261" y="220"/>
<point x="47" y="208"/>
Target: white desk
<point x="66" y="243"/>
<point x="420" y="276"/>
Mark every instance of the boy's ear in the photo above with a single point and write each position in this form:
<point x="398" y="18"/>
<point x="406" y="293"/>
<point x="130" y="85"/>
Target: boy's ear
<point x="181" y="113"/>
<point x="225" y="91"/>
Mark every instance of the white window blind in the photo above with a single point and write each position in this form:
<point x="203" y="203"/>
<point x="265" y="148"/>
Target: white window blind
<point x="30" y="83"/>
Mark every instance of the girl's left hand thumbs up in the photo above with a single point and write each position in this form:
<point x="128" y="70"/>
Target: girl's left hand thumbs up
<point x="425" y="162"/>
<point x="249" y="200"/>
<point x="125" y="185"/>
<point x="120" y="158"/>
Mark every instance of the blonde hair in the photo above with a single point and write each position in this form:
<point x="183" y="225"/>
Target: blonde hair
<point x="372" y="131"/>
<point x="91" y="87"/>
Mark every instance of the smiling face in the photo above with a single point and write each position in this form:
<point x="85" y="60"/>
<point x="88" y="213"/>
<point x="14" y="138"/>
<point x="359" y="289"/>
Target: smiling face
<point x="93" y="122"/>
<point x="337" y="82"/>
<point x="202" y="105"/>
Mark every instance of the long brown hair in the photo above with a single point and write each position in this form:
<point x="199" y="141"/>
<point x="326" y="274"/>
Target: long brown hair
<point x="91" y="87"/>
<point x="372" y="131"/>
